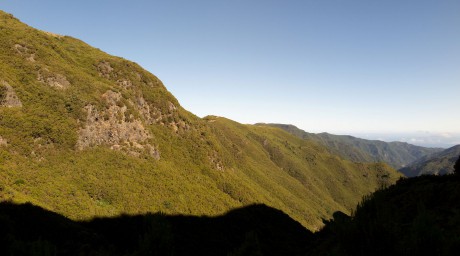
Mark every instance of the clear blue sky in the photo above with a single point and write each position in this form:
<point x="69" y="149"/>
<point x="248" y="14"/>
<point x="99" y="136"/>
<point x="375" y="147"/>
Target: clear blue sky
<point x="339" y="66"/>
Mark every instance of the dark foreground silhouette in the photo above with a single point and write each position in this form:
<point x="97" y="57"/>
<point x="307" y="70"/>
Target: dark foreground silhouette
<point x="253" y="230"/>
<point x="417" y="216"/>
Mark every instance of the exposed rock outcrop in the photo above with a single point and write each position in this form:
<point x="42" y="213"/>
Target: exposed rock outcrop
<point x="105" y="69"/>
<point x="168" y="117"/>
<point x="114" y="127"/>
<point x="25" y="51"/>
<point x="3" y="142"/>
<point x="54" y="80"/>
<point x="125" y="83"/>
<point x="8" y="97"/>
<point x="215" y="161"/>
<point x="52" y="34"/>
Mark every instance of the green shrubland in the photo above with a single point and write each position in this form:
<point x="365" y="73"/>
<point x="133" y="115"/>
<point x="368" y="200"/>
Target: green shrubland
<point x="97" y="135"/>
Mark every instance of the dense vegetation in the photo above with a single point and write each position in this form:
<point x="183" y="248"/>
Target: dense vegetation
<point x="438" y="163"/>
<point x="396" y="154"/>
<point x="416" y="216"/>
<point x="86" y="134"/>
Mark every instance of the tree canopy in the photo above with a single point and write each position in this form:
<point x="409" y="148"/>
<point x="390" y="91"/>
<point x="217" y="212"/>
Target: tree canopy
<point x="457" y="166"/>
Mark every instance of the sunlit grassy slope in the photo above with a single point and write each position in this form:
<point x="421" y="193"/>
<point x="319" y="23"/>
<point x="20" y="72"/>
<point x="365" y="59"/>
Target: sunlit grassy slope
<point x="87" y="134"/>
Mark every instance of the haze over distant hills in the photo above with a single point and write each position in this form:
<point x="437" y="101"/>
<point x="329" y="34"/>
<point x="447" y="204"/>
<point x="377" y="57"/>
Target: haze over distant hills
<point x="397" y="154"/>
<point x="439" y="163"/>
<point x="424" y="139"/>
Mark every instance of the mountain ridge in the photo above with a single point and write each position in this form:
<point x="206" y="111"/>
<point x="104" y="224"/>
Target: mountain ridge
<point x="439" y="163"/>
<point x="397" y="154"/>
<point x="97" y="135"/>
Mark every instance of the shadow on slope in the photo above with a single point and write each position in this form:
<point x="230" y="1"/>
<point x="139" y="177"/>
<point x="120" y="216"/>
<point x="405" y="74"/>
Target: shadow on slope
<point x="416" y="216"/>
<point x="253" y="230"/>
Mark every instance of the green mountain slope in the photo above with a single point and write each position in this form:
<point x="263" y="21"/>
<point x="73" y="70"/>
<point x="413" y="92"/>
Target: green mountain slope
<point x="438" y="163"/>
<point x="86" y="134"/>
<point x="396" y="154"/>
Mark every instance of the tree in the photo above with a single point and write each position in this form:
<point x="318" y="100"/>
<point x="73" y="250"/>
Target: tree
<point x="457" y="167"/>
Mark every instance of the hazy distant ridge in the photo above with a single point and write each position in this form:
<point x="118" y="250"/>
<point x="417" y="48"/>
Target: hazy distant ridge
<point x="396" y="154"/>
<point x="438" y="163"/>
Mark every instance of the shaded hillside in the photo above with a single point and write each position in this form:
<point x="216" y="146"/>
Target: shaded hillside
<point x="416" y="216"/>
<point x="396" y="154"/>
<point x="86" y="134"/>
<point x="253" y="230"/>
<point x="438" y="163"/>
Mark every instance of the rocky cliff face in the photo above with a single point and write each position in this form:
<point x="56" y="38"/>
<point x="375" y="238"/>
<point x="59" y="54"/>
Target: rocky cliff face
<point x="116" y="128"/>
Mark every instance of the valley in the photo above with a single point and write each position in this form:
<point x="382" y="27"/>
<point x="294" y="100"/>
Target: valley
<point x="98" y="157"/>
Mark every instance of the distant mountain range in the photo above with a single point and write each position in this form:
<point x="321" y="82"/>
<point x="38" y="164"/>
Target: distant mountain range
<point x="419" y="138"/>
<point x="438" y="163"/>
<point x="396" y="154"/>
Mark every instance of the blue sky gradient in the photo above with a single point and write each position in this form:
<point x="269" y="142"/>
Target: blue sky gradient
<point x="332" y="65"/>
